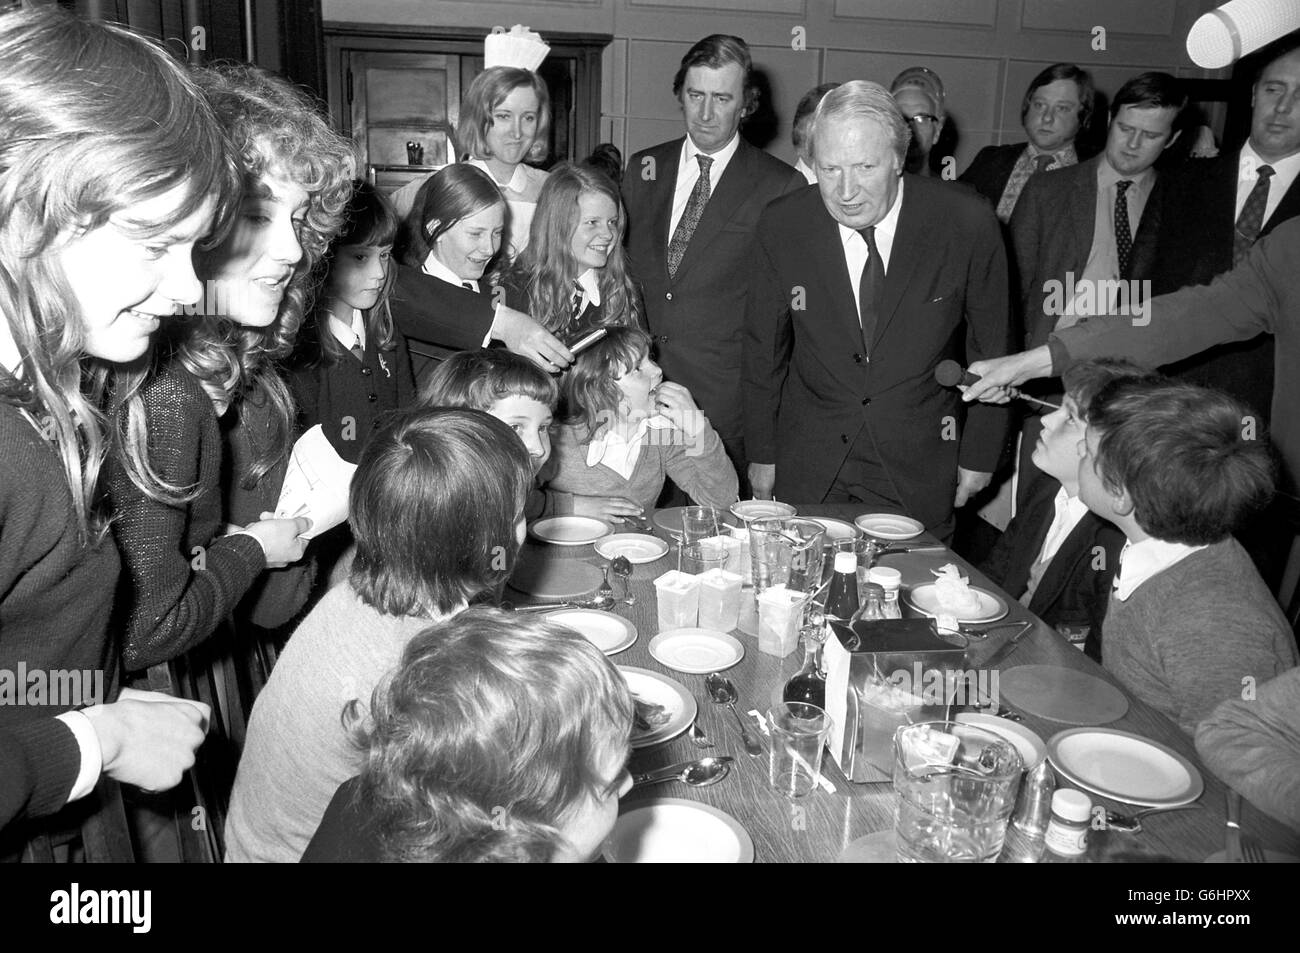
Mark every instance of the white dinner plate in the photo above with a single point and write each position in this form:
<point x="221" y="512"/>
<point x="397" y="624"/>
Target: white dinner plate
<point x="1031" y="747"/>
<point x="762" y="509"/>
<point x="608" y="632"/>
<point x="837" y="529"/>
<point x="888" y="526"/>
<point x="924" y="599"/>
<point x="570" y="530"/>
<point x="1124" y="767"/>
<point x="696" y="651"/>
<point x="659" y="689"/>
<point x="637" y="547"/>
<point x="667" y="830"/>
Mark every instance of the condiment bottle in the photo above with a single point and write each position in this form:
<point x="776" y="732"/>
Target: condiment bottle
<point x="842" y="598"/>
<point x="1067" y="831"/>
<point x="890" y="580"/>
<point x="808" y="685"/>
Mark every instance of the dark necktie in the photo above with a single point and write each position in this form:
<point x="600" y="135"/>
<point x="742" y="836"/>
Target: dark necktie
<point x="358" y="351"/>
<point x="690" y="217"/>
<point x="1251" y="219"/>
<point x="1123" y="234"/>
<point x="869" y="287"/>
<point x="1042" y="162"/>
<point x="468" y="286"/>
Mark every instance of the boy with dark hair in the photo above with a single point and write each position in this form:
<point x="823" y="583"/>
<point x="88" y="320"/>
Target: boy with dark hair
<point x="1056" y="557"/>
<point x="1189" y="620"/>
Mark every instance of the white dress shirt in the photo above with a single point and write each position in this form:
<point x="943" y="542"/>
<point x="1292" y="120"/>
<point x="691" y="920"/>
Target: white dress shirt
<point x="620" y="453"/>
<point x="1284" y="174"/>
<point x="855" y="246"/>
<point x="590" y="284"/>
<point x="349" y="333"/>
<point x="688" y="173"/>
<point x="1139" y="562"/>
<point x="1069" y="511"/>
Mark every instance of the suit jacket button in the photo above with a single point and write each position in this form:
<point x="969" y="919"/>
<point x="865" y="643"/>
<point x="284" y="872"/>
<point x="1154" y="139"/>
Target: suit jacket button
<point x="662" y="339"/>
<point x="365" y="372"/>
<point x="865" y="401"/>
<point x="844" y="438"/>
<point x="669" y="296"/>
<point x="372" y="397"/>
<point x="857" y="358"/>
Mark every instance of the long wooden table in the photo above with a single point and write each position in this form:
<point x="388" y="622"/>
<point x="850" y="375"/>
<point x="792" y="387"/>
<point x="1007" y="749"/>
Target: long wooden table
<point x="818" y="827"/>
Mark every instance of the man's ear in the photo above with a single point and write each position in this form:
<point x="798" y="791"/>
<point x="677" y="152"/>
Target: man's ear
<point x="1173" y="139"/>
<point x="1121" y="503"/>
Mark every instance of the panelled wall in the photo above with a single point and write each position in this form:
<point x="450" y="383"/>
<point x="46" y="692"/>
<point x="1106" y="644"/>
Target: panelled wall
<point x="986" y="51"/>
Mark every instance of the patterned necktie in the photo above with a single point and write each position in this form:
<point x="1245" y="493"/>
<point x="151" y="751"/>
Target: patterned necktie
<point x="1251" y="219"/>
<point x="1042" y="162"/>
<point x="1123" y="233"/>
<point x="690" y="217"/>
<point x="468" y="286"/>
<point x="576" y="309"/>
<point x="869" y="287"/>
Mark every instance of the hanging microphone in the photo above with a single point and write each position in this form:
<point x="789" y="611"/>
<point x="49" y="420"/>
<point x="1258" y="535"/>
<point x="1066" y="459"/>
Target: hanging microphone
<point x="951" y="374"/>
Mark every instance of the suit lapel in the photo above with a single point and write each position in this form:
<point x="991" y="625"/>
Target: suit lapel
<point x="1288" y="208"/>
<point x="908" y="249"/>
<point x="728" y="192"/>
<point x="666" y="184"/>
<point x="1061" y="570"/>
<point x="1142" y="264"/>
<point x="1083" y="215"/>
<point x="828" y="251"/>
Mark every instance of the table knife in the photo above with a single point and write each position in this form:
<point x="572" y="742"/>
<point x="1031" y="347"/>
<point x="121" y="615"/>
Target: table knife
<point x="1009" y="646"/>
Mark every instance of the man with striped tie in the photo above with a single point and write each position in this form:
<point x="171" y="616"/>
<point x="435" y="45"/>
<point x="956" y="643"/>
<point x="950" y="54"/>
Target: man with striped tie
<point x="692" y="205"/>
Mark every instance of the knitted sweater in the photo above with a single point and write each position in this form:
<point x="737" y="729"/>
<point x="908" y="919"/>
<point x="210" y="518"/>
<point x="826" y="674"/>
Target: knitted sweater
<point x="700" y="468"/>
<point x="1185" y="640"/>
<point x="55" y="598"/>
<point x="1254" y="746"/>
<point x="298" y="752"/>
<point x="181" y="578"/>
<point x="277" y="595"/>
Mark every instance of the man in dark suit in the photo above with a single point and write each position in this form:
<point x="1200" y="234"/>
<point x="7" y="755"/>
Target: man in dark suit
<point x="1085" y="237"/>
<point x="1207" y="227"/>
<point x="1056" y="106"/>
<point x="861" y="287"/>
<point x="692" y="206"/>
<point x="1056" y="556"/>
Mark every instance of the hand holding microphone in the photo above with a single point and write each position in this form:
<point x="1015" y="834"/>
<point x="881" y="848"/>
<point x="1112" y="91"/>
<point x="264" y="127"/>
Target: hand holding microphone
<point x="952" y="374"/>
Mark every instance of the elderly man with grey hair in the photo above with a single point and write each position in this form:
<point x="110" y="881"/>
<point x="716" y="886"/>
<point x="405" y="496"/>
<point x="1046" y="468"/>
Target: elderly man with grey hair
<point x="862" y="286"/>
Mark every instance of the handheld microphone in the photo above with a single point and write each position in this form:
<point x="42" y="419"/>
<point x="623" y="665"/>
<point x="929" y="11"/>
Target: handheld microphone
<point x="950" y="374"/>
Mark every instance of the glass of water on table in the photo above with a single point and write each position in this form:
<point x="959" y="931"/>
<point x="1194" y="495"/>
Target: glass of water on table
<point x="956" y="787"/>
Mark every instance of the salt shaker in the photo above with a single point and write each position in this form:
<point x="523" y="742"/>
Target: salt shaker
<point x="1034" y="804"/>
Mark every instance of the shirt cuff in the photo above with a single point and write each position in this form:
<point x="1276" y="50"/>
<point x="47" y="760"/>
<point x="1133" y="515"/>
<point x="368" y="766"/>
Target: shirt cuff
<point x="244" y="532"/>
<point x="92" y="757"/>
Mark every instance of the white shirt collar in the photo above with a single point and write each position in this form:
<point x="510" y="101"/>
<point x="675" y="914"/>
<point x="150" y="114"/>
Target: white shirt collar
<point x="590" y="286"/>
<point x="434" y="268"/>
<point x="806" y="171"/>
<point x="621" y="453"/>
<point x="518" y="179"/>
<point x="1069" y="511"/>
<point x="1285" y="172"/>
<point x="720" y="158"/>
<point x="1139" y="562"/>
<point x="349" y="333"/>
<point x="885" y="228"/>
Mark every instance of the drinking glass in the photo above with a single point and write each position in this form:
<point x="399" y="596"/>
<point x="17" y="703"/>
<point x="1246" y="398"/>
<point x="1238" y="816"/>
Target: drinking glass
<point x="702" y="522"/>
<point x="698" y="558"/>
<point x="786" y="552"/>
<point x="798" y="735"/>
<point x="954" y="810"/>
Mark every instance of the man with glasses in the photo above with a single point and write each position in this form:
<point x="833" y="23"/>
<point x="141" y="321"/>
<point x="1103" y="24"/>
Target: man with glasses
<point x="1056" y="107"/>
<point x="918" y="91"/>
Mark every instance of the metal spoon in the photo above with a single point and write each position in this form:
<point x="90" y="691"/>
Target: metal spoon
<point x="622" y="567"/>
<point x="605" y="594"/>
<point x="698" y="774"/>
<point x="723" y="692"/>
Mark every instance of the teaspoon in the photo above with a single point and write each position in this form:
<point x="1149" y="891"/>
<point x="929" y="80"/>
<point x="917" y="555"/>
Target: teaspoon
<point x="698" y="774"/>
<point x="723" y="692"/>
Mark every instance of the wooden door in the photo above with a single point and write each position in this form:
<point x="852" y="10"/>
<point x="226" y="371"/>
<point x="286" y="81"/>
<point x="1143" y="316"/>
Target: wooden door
<point x="398" y="98"/>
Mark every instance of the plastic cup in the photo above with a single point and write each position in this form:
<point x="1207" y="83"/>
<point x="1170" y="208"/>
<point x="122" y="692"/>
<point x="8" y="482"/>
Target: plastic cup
<point x="719" y="600"/>
<point x="780" y="612"/>
<point x="678" y="597"/>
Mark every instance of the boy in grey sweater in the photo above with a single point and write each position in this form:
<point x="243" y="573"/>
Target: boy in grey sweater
<point x="1177" y="468"/>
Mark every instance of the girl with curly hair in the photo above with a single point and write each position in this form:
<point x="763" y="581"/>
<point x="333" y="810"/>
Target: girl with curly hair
<point x="500" y="738"/>
<point x="217" y="406"/>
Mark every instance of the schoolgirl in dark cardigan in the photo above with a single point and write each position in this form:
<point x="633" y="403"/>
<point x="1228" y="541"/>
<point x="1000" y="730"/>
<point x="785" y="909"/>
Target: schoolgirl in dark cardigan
<point x="353" y="364"/>
<point x="106" y="186"/>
